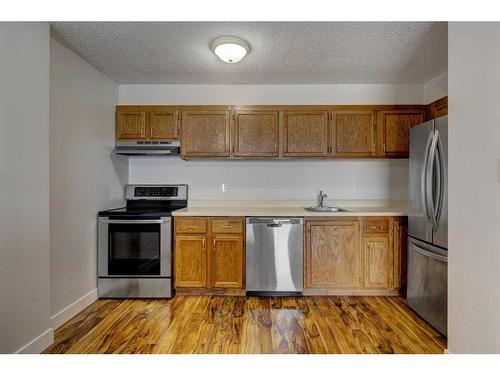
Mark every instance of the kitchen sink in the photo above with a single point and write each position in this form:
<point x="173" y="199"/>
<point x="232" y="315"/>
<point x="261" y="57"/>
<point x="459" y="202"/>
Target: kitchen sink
<point x="325" y="209"/>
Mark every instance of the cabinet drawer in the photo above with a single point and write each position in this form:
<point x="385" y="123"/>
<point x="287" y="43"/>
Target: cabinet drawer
<point x="227" y="226"/>
<point x="189" y="225"/>
<point x="376" y="225"/>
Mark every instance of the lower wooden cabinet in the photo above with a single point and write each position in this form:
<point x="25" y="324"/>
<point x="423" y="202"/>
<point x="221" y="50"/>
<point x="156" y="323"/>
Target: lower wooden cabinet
<point x="360" y="255"/>
<point x="333" y="254"/>
<point x="209" y="253"/>
<point x="377" y="262"/>
<point x="227" y="261"/>
<point x="191" y="260"/>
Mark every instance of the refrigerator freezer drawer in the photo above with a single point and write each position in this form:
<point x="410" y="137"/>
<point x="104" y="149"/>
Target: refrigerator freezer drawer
<point x="427" y="283"/>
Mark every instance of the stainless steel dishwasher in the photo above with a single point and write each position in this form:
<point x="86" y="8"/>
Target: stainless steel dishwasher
<point x="274" y="255"/>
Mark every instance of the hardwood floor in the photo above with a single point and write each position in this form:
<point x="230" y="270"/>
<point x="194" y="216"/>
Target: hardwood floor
<point x="232" y="324"/>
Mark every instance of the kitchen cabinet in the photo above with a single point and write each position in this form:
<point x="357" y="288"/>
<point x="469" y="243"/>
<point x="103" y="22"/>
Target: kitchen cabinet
<point x="395" y="130"/>
<point x="438" y="108"/>
<point x="227" y="261"/>
<point x="305" y="133"/>
<point x="377" y="262"/>
<point x="164" y="124"/>
<point x="147" y="122"/>
<point x="130" y="123"/>
<point x="206" y="131"/>
<point x="354" y="133"/>
<point x="209" y="253"/>
<point x="333" y="254"/>
<point x="355" y="255"/>
<point x="277" y="132"/>
<point x="256" y="133"/>
<point x="190" y="261"/>
<point x="400" y="238"/>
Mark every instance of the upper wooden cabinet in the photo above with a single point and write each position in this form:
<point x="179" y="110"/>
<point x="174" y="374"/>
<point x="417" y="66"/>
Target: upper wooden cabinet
<point x="305" y="133"/>
<point x="256" y="133"/>
<point x="130" y="123"/>
<point x="395" y="130"/>
<point x="147" y="122"/>
<point x="205" y="131"/>
<point x="354" y="133"/>
<point x="164" y="124"/>
<point x="438" y="108"/>
<point x="332" y="254"/>
<point x="367" y="131"/>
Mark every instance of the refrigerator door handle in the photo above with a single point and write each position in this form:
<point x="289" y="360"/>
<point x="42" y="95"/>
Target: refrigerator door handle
<point x="440" y="176"/>
<point x="427" y="253"/>
<point x="423" y="187"/>
<point x="430" y="183"/>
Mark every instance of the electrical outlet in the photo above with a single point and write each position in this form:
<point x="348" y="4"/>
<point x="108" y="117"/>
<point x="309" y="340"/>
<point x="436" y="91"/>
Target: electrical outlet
<point x="225" y="187"/>
<point x="356" y="186"/>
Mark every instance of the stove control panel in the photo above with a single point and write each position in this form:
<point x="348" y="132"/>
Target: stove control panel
<point x="156" y="192"/>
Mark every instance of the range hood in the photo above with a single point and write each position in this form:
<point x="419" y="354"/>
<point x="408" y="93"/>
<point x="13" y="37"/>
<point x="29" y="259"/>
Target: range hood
<point x="148" y="148"/>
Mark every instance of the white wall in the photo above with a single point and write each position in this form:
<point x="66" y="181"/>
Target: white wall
<point x="84" y="178"/>
<point x="271" y="94"/>
<point x="474" y="188"/>
<point x="383" y="179"/>
<point x="24" y="187"/>
<point x="261" y="180"/>
<point x="436" y="88"/>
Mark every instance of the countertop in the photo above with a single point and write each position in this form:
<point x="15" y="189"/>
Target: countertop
<point x="292" y="208"/>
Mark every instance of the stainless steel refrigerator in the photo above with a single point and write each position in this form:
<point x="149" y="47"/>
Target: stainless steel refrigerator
<point x="428" y="222"/>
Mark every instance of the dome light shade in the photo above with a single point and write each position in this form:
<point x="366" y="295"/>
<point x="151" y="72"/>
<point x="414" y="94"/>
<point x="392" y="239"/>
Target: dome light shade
<point x="230" y="49"/>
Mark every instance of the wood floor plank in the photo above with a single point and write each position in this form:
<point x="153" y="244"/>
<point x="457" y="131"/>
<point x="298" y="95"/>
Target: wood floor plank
<point x="236" y="324"/>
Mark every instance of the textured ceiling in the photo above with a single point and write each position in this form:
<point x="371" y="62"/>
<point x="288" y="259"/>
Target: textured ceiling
<point x="282" y="52"/>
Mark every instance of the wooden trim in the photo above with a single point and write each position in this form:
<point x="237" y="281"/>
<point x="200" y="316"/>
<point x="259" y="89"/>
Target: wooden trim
<point x="350" y="292"/>
<point x="210" y="292"/>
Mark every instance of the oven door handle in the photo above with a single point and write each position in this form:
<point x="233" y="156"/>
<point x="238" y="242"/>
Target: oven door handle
<point x="160" y="221"/>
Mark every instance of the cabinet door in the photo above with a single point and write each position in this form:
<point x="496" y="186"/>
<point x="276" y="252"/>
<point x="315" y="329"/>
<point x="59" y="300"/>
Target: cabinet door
<point x="438" y="108"/>
<point x="227" y="261"/>
<point x="333" y="254"/>
<point x="256" y="133"/>
<point x="378" y="264"/>
<point x="190" y="261"/>
<point x="163" y="124"/>
<point x="399" y="248"/>
<point x="305" y="133"/>
<point x="130" y="124"/>
<point x="353" y="133"/>
<point x="205" y="133"/>
<point x="396" y="126"/>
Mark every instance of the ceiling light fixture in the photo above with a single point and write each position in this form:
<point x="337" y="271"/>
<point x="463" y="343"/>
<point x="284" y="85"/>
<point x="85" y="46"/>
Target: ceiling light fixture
<point x="230" y="49"/>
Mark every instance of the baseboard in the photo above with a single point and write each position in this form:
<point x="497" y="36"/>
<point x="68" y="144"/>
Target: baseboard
<point x="38" y="344"/>
<point x="70" y="311"/>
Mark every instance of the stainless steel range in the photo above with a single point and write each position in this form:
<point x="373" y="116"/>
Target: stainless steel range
<point x="135" y="243"/>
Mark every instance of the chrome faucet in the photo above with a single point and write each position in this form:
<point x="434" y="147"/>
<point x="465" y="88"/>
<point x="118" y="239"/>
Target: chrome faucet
<point x="321" y="197"/>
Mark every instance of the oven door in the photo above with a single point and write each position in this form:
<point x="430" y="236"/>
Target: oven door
<point x="134" y="248"/>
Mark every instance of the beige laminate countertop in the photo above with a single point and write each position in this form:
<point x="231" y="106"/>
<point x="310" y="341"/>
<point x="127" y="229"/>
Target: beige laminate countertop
<point x="289" y="209"/>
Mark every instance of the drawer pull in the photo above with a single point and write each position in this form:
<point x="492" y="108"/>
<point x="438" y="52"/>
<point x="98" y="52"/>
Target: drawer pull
<point x="376" y="227"/>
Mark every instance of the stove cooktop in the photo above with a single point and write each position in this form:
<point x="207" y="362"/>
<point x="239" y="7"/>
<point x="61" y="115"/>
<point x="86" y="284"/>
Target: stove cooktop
<point x="135" y="212"/>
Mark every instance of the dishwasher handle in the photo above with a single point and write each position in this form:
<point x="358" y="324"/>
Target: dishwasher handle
<point x="275" y="222"/>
